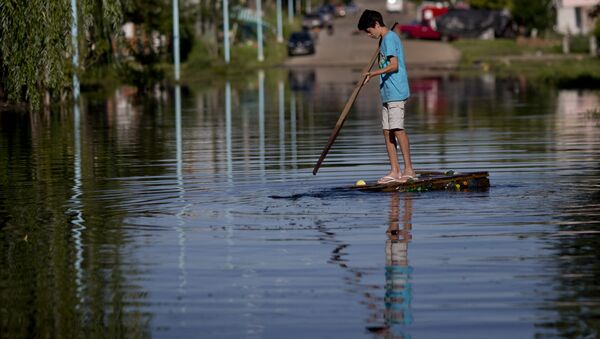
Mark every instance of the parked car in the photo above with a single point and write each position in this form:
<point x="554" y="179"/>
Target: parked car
<point x="394" y="5"/>
<point x="312" y="20"/>
<point x="300" y="43"/>
<point x="422" y="30"/>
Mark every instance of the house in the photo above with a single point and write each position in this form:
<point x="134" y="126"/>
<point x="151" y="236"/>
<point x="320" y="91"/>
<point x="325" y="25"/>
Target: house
<point x="572" y="16"/>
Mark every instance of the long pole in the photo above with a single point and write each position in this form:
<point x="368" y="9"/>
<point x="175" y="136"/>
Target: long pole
<point x="75" y="43"/>
<point x="176" y="37"/>
<point x="290" y="11"/>
<point x="279" y="22"/>
<point x="226" y="29"/>
<point x="259" y="30"/>
<point x="346" y="110"/>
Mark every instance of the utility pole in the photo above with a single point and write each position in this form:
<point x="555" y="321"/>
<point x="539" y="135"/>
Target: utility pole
<point x="176" y="37"/>
<point x="75" y="43"/>
<point x="290" y="11"/>
<point x="279" y="23"/>
<point x="259" y="30"/>
<point x="226" y="30"/>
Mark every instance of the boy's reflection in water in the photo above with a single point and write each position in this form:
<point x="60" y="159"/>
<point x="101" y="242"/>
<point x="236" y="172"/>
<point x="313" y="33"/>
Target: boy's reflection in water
<point x="392" y="321"/>
<point x="397" y="313"/>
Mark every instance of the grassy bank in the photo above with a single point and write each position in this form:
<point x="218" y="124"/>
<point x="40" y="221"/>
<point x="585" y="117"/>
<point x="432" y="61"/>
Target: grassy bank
<point x="204" y="65"/>
<point x="207" y="61"/>
<point x="537" y="60"/>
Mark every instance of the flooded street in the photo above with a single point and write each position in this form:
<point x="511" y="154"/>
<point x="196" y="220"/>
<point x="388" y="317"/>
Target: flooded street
<point x="192" y="211"/>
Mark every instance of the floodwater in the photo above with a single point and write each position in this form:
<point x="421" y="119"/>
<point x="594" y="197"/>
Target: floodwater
<point x="192" y="212"/>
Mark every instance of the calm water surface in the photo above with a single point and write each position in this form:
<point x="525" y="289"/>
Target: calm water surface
<point x="192" y="212"/>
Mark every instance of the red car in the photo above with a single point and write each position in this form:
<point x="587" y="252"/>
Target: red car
<point x="421" y="30"/>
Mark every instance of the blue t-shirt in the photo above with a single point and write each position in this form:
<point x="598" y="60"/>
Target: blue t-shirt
<point x="393" y="86"/>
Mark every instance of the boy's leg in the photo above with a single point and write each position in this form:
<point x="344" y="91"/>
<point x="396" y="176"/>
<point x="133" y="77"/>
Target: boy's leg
<point x="390" y="144"/>
<point x="405" y="149"/>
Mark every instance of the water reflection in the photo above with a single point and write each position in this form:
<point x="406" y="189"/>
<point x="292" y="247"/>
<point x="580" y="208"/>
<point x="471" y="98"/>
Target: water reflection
<point x="398" y="287"/>
<point x="150" y="181"/>
<point x="76" y="209"/>
<point x="293" y="131"/>
<point x="261" y="123"/>
<point x="180" y="228"/>
<point x="228" y="134"/>
<point x="281" y="111"/>
<point x="302" y="80"/>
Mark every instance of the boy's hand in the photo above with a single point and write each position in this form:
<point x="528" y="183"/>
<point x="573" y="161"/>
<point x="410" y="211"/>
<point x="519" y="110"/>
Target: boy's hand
<point x="367" y="77"/>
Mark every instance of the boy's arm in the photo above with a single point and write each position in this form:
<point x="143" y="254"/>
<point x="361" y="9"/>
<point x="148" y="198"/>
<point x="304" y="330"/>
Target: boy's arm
<point x="390" y="68"/>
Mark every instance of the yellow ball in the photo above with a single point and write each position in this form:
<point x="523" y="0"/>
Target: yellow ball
<point x="361" y="183"/>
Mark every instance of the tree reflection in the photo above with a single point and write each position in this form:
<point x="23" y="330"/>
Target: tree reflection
<point x="66" y="264"/>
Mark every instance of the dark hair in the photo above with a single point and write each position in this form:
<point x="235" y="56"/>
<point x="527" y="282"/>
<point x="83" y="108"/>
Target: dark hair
<point x="368" y="20"/>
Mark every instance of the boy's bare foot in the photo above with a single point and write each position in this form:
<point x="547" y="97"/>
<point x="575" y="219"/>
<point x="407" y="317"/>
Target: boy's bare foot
<point x="387" y="179"/>
<point x="408" y="175"/>
<point x="409" y="172"/>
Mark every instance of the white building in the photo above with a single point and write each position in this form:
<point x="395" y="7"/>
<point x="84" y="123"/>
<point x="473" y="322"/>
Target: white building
<point x="572" y="16"/>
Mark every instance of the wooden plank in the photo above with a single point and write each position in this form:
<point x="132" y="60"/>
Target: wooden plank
<point x="430" y="181"/>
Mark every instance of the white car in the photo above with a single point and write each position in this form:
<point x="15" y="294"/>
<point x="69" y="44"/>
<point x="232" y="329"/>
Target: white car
<point x="394" y="5"/>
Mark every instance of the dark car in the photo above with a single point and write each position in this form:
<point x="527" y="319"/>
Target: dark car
<point x="300" y="43"/>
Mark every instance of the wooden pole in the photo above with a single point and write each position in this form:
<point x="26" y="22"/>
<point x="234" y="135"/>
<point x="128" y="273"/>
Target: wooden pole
<point x="347" y="107"/>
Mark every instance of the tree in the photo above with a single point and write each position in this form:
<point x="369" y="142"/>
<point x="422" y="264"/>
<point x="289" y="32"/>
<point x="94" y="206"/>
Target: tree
<point x="35" y="43"/>
<point x="532" y="14"/>
<point x="490" y="4"/>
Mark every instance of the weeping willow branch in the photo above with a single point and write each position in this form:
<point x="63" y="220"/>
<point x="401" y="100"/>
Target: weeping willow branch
<point x="35" y="42"/>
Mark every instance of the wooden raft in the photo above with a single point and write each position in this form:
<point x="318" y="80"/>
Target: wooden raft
<point x="432" y="181"/>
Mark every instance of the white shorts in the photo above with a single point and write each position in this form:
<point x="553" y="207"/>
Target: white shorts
<point x="392" y="115"/>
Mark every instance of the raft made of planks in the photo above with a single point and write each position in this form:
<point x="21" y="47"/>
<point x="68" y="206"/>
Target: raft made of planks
<point x="434" y="181"/>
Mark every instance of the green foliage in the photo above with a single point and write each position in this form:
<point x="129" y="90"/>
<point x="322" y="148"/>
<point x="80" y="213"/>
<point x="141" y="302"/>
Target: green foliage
<point x="154" y="20"/>
<point x="35" y="42"/>
<point x="595" y="14"/>
<point x="101" y="24"/>
<point x="509" y="58"/>
<point x="532" y="14"/>
<point x="490" y="4"/>
<point x="34" y="36"/>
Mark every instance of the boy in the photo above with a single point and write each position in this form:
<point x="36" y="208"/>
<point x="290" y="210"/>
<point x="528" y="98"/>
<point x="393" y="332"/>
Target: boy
<point x="394" y="91"/>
